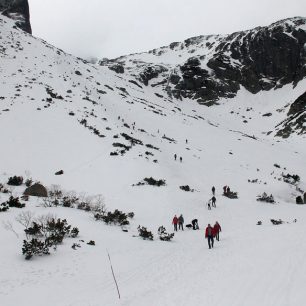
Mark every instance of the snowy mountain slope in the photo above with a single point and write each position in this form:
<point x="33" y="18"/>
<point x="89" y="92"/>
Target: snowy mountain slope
<point x="207" y="68"/>
<point x="45" y="97"/>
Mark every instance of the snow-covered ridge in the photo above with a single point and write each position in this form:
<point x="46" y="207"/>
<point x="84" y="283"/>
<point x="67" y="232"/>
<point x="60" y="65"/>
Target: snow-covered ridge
<point x="207" y="68"/>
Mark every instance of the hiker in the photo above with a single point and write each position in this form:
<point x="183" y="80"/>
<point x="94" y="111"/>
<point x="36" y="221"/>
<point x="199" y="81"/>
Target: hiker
<point x="228" y="190"/>
<point x="208" y="205"/>
<point x="181" y="222"/>
<point x="195" y="224"/>
<point x="181" y="159"/>
<point x="213" y="201"/>
<point x="209" y="235"/>
<point x="217" y="230"/>
<point x="224" y="189"/>
<point x="175" y="156"/>
<point x="186" y="141"/>
<point x="213" y="189"/>
<point x="174" y="222"/>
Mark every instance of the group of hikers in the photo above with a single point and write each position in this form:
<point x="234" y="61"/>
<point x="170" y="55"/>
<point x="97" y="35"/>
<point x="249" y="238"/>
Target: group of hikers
<point x="175" y="157"/>
<point x="211" y="232"/>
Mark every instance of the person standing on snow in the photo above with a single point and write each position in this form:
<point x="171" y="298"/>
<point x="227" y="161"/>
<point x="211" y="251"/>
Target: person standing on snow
<point x="181" y="222"/>
<point x="213" y="189"/>
<point x="209" y="235"/>
<point x="175" y="156"/>
<point x="213" y="201"/>
<point x="195" y="224"/>
<point x="217" y="230"/>
<point x="174" y="222"/>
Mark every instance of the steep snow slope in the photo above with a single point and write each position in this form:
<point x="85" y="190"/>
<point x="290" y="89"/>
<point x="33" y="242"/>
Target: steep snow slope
<point x="45" y="97"/>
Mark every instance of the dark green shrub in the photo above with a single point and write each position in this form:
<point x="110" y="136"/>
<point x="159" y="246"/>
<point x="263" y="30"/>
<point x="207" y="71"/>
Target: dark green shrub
<point x="144" y="233"/>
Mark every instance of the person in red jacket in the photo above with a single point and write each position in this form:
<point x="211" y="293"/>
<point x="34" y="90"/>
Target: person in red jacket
<point x="209" y="235"/>
<point x="175" y="222"/>
<point x="217" y="230"/>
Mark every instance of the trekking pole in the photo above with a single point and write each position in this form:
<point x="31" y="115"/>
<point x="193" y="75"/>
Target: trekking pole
<point x="113" y="274"/>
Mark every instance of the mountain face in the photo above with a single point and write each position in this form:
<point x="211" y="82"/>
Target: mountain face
<point x="17" y="10"/>
<point x="207" y="68"/>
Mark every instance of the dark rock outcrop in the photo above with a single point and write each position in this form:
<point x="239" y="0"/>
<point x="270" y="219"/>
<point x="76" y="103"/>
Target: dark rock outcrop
<point x="259" y="59"/>
<point x="17" y="10"/>
<point x="296" y="121"/>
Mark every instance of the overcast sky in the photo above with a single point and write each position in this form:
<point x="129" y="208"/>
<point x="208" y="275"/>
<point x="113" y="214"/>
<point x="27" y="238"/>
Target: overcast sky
<point x="110" y="28"/>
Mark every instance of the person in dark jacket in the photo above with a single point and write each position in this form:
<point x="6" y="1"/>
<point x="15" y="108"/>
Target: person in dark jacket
<point x="209" y="235"/>
<point x="224" y="189"/>
<point x="217" y="230"/>
<point x="181" y="222"/>
<point x="195" y="224"/>
<point x="175" y="156"/>
<point x="175" y="222"/>
<point x="213" y="201"/>
<point x="213" y="189"/>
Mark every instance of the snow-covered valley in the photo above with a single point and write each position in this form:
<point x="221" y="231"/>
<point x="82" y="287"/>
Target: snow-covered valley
<point x="60" y="113"/>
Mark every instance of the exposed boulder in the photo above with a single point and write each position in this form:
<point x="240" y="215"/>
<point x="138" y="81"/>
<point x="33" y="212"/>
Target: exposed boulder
<point x="36" y="190"/>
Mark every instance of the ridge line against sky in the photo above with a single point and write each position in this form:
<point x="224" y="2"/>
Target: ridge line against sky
<point x="104" y="28"/>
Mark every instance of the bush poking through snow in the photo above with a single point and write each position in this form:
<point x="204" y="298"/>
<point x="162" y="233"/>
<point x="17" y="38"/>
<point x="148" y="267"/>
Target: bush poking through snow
<point x="44" y="233"/>
<point x="15" y="180"/>
<point x="163" y="235"/>
<point x="291" y="178"/>
<point x="151" y="181"/>
<point x="144" y="233"/>
<point x="4" y="207"/>
<point x="14" y="202"/>
<point x="186" y="188"/>
<point x="116" y="217"/>
<point x="265" y="198"/>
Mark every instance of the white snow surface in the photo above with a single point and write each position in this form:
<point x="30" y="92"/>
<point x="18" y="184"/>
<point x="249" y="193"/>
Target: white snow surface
<point x="251" y="265"/>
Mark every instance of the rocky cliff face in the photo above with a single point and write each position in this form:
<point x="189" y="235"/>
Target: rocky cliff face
<point x="19" y="11"/>
<point x="207" y="68"/>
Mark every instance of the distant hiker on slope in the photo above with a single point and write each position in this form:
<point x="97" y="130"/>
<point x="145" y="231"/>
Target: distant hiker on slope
<point x="209" y="235"/>
<point x="175" y="156"/>
<point x="213" y="201"/>
<point x="217" y="230"/>
<point x="181" y="159"/>
<point x="175" y="222"/>
<point x="213" y="189"/>
<point x="208" y="204"/>
<point x="195" y="224"/>
<point x="224" y="189"/>
<point x="181" y="222"/>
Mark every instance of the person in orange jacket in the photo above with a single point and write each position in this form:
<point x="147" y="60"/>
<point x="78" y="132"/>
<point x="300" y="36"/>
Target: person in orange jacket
<point x="175" y="222"/>
<point x="209" y="235"/>
<point x="217" y="230"/>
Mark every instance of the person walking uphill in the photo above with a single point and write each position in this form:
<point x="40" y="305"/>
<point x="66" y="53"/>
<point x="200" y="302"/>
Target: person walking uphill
<point x="217" y="230"/>
<point x="175" y="222"/>
<point x="181" y="222"/>
<point x="213" y="189"/>
<point x="213" y="201"/>
<point x="209" y="235"/>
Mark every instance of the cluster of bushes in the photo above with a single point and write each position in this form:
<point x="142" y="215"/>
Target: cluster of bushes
<point x="186" y="188"/>
<point x="147" y="235"/>
<point x="11" y="202"/>
<point x="291" y="178"/>
<point x="15" y="181"/>
<point x="151" y="181"/>
<point x="265" y="198"/>
<point x="57" y="197"/>
<point x="116" y="217"/>
<point x="44" y="233"/>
